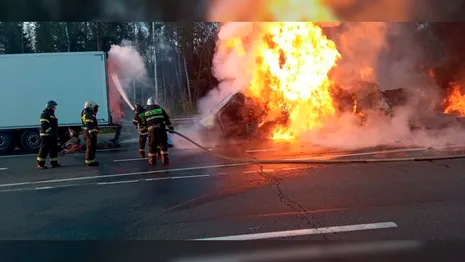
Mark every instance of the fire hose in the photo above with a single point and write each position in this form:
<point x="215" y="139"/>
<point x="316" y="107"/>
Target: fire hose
<point x="316" y="161"/>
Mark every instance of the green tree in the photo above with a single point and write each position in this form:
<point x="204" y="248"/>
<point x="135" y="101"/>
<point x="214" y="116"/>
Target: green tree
<point x="14" y="39"/>
<point x="46" y="37"/>
<point x="75" y="35"/>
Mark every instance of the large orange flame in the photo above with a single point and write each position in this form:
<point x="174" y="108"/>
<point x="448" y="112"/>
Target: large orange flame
<point x="455" y="102"/>
<point x="291" y="75"/>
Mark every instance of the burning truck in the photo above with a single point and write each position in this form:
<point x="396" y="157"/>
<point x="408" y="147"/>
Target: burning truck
<point x="241" y="117"/>
<point x="290" y="91"/>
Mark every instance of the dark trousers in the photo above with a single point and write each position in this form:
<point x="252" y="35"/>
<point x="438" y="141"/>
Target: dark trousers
<point x="141" y="144"/>
<point x="119" y="128"/>
<point x="48" y="145"/>
<point x="91" y="146"/>
<point x="158" y="143"/>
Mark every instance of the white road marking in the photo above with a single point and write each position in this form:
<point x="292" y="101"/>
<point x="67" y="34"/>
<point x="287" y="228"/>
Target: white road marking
<point x="117" y="182"/>
<point x="120" y="175"/>
<point x="261" y="150"/>
<point x="3" y="168"/>
<point x="43" y="188"/>
<point x="120" y="182"/>
<point x="125" y="181"/>
<point x="183" y="177"/>
<point x="102" y="183"/>
<point x="305" y="232"/>
<point x="129" y="159"/>
<point x="175" y="177"/>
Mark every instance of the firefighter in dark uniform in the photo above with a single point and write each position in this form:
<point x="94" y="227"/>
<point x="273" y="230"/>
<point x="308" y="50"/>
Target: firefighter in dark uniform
<point x="157" y="120"/>
<point x="139" y="122"/>
<point x="91" y="130"/>
<point x="48" y="136"/>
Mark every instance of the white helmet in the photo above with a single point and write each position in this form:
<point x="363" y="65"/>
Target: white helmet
<point x="150" y="101"/>
<point x="90" y="104"/>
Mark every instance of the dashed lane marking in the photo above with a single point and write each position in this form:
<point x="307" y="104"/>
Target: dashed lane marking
<point x="102" y="183"/>
<point x="3" y="168"/>
<point x="119" y="175"/>
<point x="119" y="182"/>
<point x="305" y="232"/>
<point x="115" y="182"/>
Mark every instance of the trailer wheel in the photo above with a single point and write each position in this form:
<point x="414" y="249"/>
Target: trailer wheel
<point x="30" y="140"/>
<point x="6" y="142"/>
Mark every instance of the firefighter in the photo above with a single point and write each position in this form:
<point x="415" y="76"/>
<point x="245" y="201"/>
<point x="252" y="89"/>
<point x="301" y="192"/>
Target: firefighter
<point x="139" y="122"/>
<point x="91" y="130"/>
<point x="157" y="119"/>
<point x="48" y="136"/>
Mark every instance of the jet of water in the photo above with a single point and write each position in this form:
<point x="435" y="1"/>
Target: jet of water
<point x="121" y="91"/>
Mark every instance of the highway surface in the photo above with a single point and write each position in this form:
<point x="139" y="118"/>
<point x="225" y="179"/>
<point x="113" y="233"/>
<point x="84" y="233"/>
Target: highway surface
<point x="202" y="197"/>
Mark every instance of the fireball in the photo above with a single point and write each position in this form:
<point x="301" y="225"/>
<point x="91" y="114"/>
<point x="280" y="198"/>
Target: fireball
<point x="291" y="75"/>
<point x="455" y="102"/>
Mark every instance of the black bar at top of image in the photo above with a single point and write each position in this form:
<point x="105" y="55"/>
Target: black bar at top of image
<point x="197" y="10"/>
<point x="102" y="10"/>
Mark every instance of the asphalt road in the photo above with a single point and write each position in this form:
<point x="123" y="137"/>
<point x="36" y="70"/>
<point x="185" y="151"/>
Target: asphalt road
<point x="202" y="197"/>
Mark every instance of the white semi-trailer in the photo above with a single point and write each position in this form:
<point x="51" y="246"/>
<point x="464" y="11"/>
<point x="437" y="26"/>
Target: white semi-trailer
<point x="28" y="81"/>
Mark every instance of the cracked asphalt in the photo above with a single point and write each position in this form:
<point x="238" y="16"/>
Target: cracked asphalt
<point x="199" y="196"/>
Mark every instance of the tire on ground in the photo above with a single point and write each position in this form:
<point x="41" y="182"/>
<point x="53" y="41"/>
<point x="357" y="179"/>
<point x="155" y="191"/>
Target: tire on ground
<point x="7" y="143"/>
<point x="30" y="140"/>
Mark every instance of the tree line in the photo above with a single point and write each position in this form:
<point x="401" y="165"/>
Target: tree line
<point x="177" y="55"/>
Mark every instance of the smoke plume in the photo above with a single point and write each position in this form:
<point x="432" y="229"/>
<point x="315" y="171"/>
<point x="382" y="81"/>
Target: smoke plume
<point x="231" y="66"/>
<point x="125" y="68"/>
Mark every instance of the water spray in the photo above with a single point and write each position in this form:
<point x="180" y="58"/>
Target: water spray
<point x="121" y="91"/>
